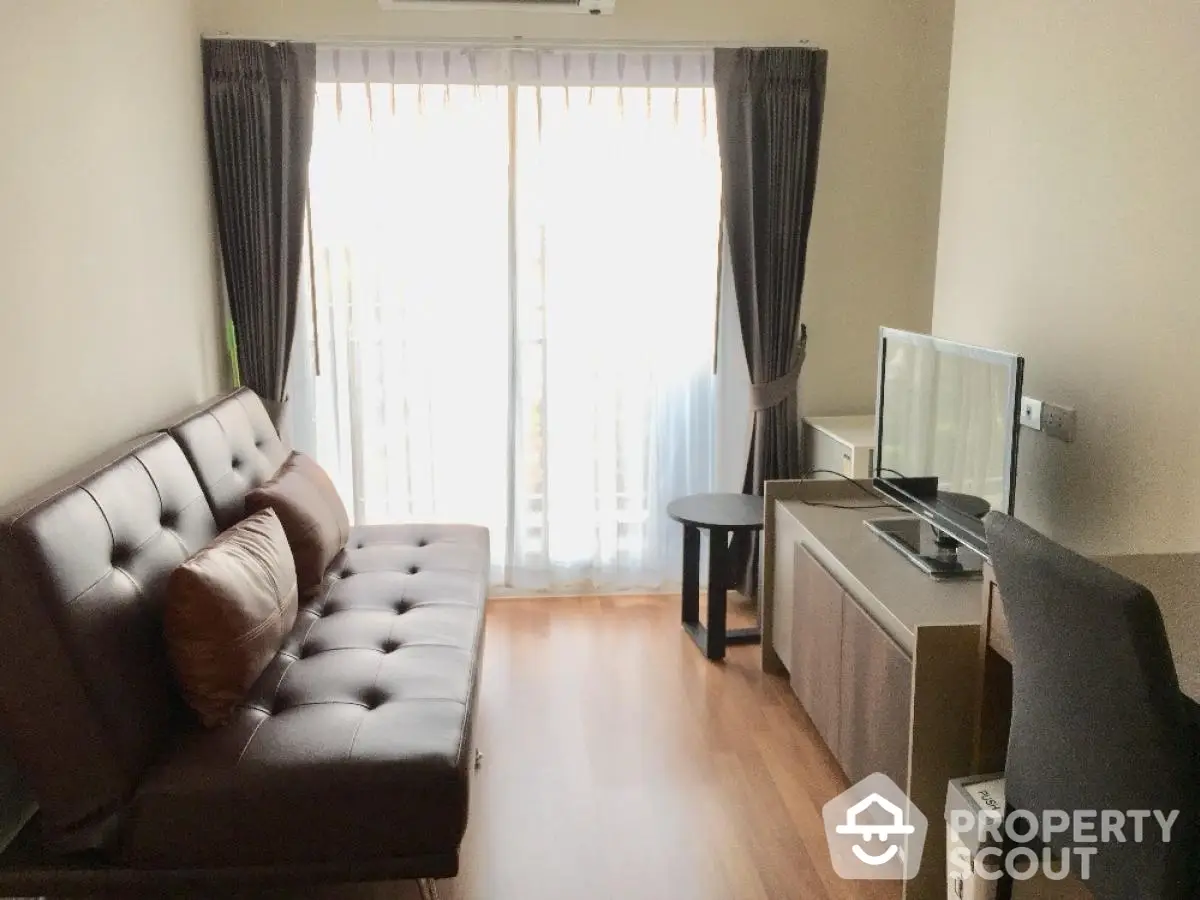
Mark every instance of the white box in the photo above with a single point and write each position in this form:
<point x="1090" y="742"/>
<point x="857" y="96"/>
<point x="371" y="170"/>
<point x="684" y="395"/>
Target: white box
<point x="979" y="795"/>
<point x="841" y="444"/>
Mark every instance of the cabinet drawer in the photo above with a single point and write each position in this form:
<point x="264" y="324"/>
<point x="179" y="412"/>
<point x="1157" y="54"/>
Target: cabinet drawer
<point x="876" y="699"/>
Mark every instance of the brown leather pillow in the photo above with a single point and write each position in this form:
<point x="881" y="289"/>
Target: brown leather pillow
<point x="228" y="609"/>
<point x="313" y="515"/>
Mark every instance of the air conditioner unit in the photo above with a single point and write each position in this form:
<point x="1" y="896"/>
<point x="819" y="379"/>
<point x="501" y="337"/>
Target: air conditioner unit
<point x="591" y="7"/>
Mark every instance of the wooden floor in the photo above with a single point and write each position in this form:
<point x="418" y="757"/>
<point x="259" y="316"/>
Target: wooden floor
<point x="620" y="765"/>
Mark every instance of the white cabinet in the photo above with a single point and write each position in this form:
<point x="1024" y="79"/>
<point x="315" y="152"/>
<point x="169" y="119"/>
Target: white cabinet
<point x="844" y="444"/>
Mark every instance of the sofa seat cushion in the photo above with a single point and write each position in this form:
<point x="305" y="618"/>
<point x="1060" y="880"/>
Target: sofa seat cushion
<point x="355" y="744"/>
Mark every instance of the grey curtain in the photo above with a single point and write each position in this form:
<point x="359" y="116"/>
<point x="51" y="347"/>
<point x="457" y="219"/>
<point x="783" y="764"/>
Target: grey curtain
<point x="259" y="104"/>
<point x="769" y="108"/>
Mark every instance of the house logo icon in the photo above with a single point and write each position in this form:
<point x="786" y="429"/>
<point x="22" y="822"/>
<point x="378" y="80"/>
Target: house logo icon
<point x="874" y="832"/>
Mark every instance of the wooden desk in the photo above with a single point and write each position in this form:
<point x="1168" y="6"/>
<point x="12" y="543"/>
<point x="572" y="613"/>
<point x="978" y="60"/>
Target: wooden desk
<point x="882" y="657"/>
<point x="1174" y="579"/>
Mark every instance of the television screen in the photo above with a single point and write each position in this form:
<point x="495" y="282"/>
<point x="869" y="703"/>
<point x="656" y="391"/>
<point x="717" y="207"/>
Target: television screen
<point x="947" y="418"/>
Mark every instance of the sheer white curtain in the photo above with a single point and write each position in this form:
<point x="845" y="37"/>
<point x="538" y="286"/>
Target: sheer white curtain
<point x="401" y="388"/>
<point x="514" y="258"/>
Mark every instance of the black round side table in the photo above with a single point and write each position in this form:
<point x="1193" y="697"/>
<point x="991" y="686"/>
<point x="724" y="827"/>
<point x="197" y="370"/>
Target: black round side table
<point x="722" y="516"/>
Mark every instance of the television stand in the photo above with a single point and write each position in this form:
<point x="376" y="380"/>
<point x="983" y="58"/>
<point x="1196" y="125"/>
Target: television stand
<point x="883" y="659"/>
<point x="931" y="550"/>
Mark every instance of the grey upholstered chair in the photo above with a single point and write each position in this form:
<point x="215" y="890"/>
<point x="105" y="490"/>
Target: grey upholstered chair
<point x="1098" y="721"/>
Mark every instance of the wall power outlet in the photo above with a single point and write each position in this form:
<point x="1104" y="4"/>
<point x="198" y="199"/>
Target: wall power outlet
<point x="1058" y="422"/>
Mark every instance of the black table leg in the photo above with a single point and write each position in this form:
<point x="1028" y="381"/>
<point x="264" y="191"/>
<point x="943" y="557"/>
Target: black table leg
<point x="742" y="547"/>
<point x="718" y="588"/>
<point x="714" y="639"/>
<point x="691" y="575"/>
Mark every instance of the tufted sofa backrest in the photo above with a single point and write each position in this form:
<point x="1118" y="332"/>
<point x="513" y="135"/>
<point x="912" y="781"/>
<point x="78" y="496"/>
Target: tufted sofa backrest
<point x="233" y="447"/>
<point x="87" y="699"/>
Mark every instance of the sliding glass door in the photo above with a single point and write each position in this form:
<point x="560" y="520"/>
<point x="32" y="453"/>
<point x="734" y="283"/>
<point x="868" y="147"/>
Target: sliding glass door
<point x="514" y="261"/>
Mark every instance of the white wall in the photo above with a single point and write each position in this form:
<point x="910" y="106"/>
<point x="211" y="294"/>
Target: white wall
<point x="874" y="238"/>
<point x="1070" y="228"/>
<point x="108" y="311"/>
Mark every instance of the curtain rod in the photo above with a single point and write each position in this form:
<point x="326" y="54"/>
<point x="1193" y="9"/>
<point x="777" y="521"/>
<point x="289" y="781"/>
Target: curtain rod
<point x="519" y="42"/>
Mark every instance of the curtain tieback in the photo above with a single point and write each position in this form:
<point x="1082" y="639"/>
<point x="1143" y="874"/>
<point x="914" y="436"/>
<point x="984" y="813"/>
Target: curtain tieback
<point x="771" y="394"/>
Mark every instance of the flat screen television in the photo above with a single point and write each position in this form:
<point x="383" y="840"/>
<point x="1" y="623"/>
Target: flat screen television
<point x="947" y="418"/>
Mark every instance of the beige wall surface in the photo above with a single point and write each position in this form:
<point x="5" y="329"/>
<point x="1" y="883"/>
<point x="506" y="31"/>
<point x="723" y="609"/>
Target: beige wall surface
<point x="1070" y="228"/>
<point x="875" y="232"/>
<point x="108" y="311"/>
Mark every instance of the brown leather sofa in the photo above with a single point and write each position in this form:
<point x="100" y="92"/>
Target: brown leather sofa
<point x="351" y="759"/>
